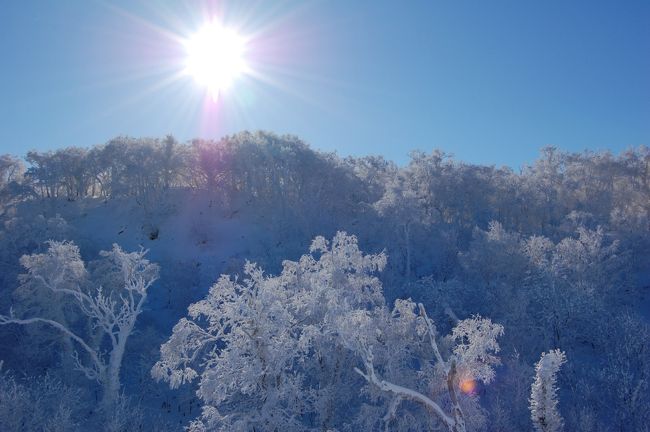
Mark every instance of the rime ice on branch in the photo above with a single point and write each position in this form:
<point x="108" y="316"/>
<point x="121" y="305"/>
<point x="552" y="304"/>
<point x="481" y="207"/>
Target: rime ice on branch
<point x="472" y="358"/>
<point x="110" y="313"/>
<point x="543" y="393"/>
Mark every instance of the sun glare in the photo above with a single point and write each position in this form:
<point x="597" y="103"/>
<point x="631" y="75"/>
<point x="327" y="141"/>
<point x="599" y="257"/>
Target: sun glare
<point x="215" y="57"/>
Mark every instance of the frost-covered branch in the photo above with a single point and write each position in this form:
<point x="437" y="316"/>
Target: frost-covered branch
<point x="61" y="271"/>
<point x="472" y="358"/>
<point x="371" y="377"/>
<point x="431" y="331"/>
<point x="392" y="408"/>
<point x="9" y="319"/>
<point x="543" y="393"/>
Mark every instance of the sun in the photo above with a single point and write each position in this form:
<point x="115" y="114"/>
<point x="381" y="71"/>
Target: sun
<point x="215" y="57"/>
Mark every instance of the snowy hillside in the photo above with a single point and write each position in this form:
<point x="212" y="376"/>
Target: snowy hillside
<point x="438" y="295"/>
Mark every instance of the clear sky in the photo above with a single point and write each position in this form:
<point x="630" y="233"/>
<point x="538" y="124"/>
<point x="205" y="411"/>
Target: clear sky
<point x="489" y="81"/>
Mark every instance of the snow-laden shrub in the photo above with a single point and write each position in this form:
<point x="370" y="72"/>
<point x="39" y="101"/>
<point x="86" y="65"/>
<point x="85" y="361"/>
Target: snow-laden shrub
<point x="38" y="404"/>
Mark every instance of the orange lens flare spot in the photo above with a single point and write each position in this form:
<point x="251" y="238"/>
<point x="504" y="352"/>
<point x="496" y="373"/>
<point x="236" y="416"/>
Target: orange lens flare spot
<point x="468" y="386"/>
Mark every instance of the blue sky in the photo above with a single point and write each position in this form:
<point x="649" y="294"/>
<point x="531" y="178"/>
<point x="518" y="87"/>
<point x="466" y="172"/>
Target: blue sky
<point x="489" y="81"/>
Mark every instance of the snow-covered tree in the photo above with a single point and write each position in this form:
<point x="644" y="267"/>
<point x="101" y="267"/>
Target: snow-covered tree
<point x="111" y="313"/>
<point x="543" y="393"/>
<point x="242" y="338"/>
<point x="626" y="371"/>
<point x="11" y="169"/>
<point x="259" y="346"/>
<point x="273" y="352"/>
<point x="400" y="206"/>
<point x="406" y="338"/>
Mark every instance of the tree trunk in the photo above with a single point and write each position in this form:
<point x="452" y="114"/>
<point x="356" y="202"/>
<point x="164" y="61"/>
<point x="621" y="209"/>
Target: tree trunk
<point x="457" y="412"/>
<point x="112" y="379"/>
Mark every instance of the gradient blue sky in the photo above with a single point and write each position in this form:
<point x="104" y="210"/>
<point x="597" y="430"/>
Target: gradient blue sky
<point x="489" y="81"/>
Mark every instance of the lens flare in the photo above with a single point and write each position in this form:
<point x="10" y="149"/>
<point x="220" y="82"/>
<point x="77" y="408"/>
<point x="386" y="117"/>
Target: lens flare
<point x="468" y="386"/>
